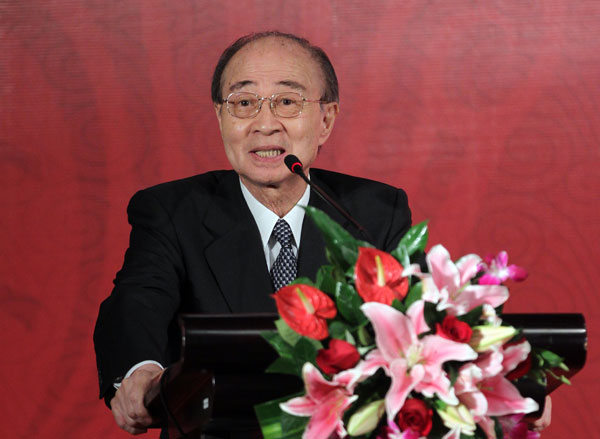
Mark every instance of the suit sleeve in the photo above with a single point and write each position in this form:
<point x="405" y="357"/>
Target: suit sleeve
<point x="401" y="220"/>
<point x="134" y="321"/>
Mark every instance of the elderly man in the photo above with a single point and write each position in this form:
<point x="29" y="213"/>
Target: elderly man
<point x="216" y="242"/>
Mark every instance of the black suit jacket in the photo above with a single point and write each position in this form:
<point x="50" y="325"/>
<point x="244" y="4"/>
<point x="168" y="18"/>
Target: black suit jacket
<point x="195" y="247"/>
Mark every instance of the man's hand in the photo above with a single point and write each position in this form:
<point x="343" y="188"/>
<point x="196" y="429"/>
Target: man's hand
<point x="128" y="404"/>
<point x="544" y="420"/>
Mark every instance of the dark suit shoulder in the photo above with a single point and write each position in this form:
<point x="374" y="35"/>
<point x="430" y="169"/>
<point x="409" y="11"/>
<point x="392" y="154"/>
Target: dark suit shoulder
<point x="345" y="183"/>
<point x="350" y="189"/>
<point x="208" y="183"/>
<point x="201" y="188"/>
<point x="381" y="208"/>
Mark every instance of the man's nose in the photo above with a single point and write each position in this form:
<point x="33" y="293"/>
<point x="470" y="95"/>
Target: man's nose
<point x="265" y="120"/>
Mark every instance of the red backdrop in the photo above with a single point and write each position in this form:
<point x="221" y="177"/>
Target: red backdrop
<point x="487" y="113"/>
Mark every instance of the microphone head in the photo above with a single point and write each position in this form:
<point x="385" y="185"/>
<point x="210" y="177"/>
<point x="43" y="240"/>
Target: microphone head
<point x="294" y="164"/>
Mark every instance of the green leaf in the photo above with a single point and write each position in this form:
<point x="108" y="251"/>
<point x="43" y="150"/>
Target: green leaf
<point x="432" y="316"/>
<point x="399" y="306"/>
<point x="350" y="338"/>
<point x="551" y="358"/>
<point x="303" y="280"/>
<point x="473" y="316"/>
<point x="401" y="254"/>
<point x="271" y="419"/>
<point x="538" y="376"/>
<point x="326" y="279"/>
<point x="337" y="329"/>
<point x="498" y="428"/>
<point x="350" y="273"/>
<point x="452" y="368"/>
<point x="348" y="303"/>
<point x="287" y="334"/>
<point x="364" y="337"/>
<point x="283" y="348"/>
<point x="293" y="427"/>
<point x="305" y="351"/>
<point x="439" y="405"/>
<point x="415" y="239"/>
<point x="283" y="365"/>
<point x="342" y="247"/>
<point x="415" y="293"/>
<point x="565" y="380"/>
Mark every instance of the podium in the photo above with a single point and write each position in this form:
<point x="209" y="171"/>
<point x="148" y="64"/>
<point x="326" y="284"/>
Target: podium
<point x="220" y="377"/>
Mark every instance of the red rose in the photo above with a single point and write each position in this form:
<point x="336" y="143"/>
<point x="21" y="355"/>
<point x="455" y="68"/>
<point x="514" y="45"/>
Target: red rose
<point x="304" y="309"/>
<point x="453" y="329"/>
<point x="415" y="415"/>
<point x="340" y="355"/>
<point x="378" y="277"/>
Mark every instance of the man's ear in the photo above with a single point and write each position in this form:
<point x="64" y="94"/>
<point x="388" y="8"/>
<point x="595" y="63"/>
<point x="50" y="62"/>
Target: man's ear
<point x="328" y="114"/>
<point x="218" y="108"/>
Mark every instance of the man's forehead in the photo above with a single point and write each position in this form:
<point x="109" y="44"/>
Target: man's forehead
<point x="286" y="83"/>
<point x="280" y="59"/>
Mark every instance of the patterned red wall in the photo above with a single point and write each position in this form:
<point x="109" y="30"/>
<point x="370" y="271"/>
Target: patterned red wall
<point x="487" y="113"/>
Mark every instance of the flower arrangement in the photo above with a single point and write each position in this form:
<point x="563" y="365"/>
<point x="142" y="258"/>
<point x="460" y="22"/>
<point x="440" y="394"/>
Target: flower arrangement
<point x="387" y="350"/>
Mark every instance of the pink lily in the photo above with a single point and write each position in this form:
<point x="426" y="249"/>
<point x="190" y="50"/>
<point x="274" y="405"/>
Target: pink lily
<point x="392" y="431"/>
<point x="325" y="402"/>
<point x="411" y="362"/>
<point x="482" y="387"/>
<point x="497" y="270"/>
<point x="450" y="283"/>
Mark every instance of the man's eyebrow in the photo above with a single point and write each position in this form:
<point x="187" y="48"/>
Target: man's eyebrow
<point x="288" y="83"/>
<point x="240" y="84"/>
<point x="293" y="84"/>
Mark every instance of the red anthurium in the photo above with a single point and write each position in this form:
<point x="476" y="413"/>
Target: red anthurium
<point x="378" y="277"/>
<point x="340" y="355"/>
<point x="304" y="309"/>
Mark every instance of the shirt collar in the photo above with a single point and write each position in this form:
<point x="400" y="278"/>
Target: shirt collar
<point x="266" y="218"/>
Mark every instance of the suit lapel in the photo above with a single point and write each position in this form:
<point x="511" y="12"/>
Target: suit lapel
<point x="312" y="248"/>
<point x="236" y="257"/>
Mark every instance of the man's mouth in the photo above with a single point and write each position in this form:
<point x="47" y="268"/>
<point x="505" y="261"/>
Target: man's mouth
<point x="269" y="153"/>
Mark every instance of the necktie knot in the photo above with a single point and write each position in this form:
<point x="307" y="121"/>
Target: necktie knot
<point x="283" y="233"/>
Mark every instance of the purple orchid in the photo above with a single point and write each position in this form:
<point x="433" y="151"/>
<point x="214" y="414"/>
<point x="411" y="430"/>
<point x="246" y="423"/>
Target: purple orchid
<point x="496" y="270"/>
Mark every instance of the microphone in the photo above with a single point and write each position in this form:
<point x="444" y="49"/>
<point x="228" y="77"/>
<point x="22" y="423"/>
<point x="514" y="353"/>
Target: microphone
<point x="295" y="166"/>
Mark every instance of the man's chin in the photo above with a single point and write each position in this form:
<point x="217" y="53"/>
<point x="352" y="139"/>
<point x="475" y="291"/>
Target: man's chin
<point x="269" y="182"/>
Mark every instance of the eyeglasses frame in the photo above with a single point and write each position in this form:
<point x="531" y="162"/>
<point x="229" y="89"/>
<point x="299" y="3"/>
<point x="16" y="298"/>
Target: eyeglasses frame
<point x="261" y="99"/>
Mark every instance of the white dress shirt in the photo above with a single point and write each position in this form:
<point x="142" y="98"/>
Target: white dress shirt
<point x="266" y="219"/>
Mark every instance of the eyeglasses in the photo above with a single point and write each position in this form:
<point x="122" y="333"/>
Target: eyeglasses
<point x="287" y="104"/>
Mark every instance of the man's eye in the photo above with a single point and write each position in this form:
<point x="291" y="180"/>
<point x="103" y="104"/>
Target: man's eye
<point x="287" y="101"/>
<point x="244" y="103"/>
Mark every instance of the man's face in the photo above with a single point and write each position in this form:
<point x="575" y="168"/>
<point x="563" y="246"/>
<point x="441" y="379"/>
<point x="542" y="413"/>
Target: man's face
<point x="257" y="146"/>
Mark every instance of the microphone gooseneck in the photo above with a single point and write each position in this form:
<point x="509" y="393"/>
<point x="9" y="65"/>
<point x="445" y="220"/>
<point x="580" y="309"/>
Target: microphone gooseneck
<point x="295" y="166"/>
